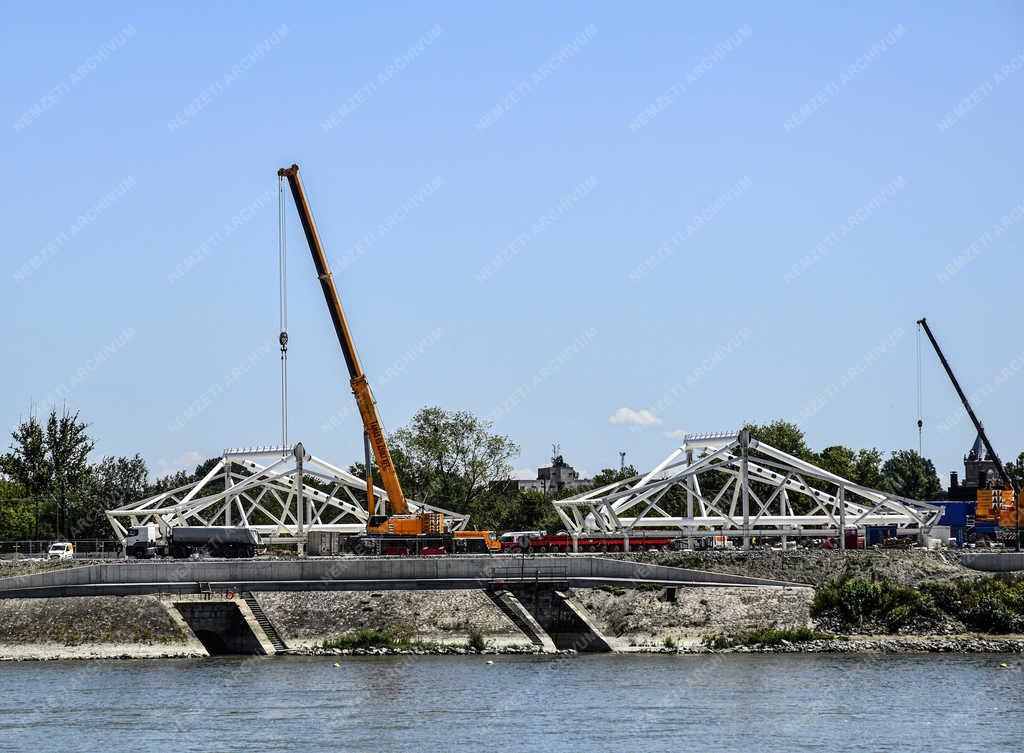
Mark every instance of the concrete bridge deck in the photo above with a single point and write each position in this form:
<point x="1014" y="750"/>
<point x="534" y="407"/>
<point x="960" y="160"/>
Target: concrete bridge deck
<point x="357" y="574"/>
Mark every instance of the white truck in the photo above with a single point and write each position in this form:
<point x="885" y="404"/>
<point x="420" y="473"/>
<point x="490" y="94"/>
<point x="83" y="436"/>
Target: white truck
<point x="181" y="542"/>
<point x="60" y="550"/>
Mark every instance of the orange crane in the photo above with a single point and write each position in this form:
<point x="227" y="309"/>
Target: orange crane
<point x="401" y="521"/>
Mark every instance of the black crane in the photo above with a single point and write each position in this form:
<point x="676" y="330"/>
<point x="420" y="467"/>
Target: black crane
<point x="1003" y="475"/>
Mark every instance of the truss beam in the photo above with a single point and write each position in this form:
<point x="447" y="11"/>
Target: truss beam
<point x="741" y="487"/>
<point x="270" y="490"/>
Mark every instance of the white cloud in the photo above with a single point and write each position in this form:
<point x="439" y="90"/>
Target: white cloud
<point x="634" y="417"/>
<point x="676" y="434"/>
<point x="185" y="462"/>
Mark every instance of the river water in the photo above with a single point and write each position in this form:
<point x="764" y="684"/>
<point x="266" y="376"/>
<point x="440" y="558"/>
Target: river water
<point x="753" y="703"/>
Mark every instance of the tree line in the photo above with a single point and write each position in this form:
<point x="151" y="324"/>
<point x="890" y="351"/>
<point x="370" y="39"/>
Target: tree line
<point x="50" y="490"/>
<point x="452" y="459"/>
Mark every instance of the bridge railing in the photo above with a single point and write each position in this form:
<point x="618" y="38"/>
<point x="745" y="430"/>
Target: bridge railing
<point x="524" y="574"/>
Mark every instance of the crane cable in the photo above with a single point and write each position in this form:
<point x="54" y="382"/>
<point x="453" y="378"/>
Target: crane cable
<point x="282" y="273"/>
<point x="920" y="417"/>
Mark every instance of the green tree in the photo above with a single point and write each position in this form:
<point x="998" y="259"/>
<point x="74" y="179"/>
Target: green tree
<point x="785" y="436"/>
<point x="27" y="463"/>
<point x="449" y="458"/>
<point x="68" y="447"/>
<point x="17" y="512"/>
<point x="838" y="460"/>
<point x="862" y="467"/>
<point x="609" y="475"/>
<point x="183" y="477"/>
<point x="1015" y="470"/>
<point x="867" y="468"/>
<point x="113" y="482"/>
<point x="909" y="475"/>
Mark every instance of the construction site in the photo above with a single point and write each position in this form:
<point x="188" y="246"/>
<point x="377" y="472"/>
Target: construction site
<point x="565" y="377"/>
<point x="276" y="549"/>
<point x="737" y="490"/>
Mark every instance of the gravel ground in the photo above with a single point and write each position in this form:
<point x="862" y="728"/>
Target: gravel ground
<point x="817" y="567"/>
<point x="632" y="618"/>
<point x="446" y="617"/>
<point x="887" y="644"/>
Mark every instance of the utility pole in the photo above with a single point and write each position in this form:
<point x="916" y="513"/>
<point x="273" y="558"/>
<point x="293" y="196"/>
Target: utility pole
<point x="622" y="460"/>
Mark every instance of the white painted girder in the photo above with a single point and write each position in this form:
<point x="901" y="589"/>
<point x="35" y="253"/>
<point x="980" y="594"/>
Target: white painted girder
<point x="623" y="506"/>
<point x="264" y="480"/>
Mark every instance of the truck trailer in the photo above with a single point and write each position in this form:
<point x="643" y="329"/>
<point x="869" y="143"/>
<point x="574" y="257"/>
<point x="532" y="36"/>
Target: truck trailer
<point x="182" y="542"/>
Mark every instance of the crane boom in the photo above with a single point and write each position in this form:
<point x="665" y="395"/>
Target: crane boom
<point x="967" y="405"/>
<point x="360" y="386"/>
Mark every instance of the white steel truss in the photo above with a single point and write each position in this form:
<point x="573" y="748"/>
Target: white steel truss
<point x="752" y="489"/>
<point x="269" y="490"/>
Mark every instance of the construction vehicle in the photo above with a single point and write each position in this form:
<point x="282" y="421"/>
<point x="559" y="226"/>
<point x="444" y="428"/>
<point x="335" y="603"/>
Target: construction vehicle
<point x="398" y="530"/>
<point x="998" y="504"/>
<point x="181" y="542"/>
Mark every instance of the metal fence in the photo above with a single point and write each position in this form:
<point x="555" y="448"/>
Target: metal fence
<point x="528" y="573"/>
<point x="84" y="549"/>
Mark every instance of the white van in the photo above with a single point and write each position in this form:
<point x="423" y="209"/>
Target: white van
<point x="61" y="550"/>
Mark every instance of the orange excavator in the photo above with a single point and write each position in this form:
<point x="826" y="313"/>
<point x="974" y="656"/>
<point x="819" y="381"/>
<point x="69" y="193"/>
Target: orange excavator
<point x="399" y="530"/>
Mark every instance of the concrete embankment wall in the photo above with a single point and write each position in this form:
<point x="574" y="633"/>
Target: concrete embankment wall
<point x="994" y="562"/>
<point x="148" y="626"/>
<point x="634" y="619"/>
<point x="93" y="626"/>
<point x="309" y="618"/>
<point x="428" y="572"/>
<point x="432" y="600"/>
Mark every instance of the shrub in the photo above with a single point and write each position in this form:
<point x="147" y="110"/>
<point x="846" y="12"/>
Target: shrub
<point x="669" y="642"/>
<point x="369" y="638"/>
<point x="993" y="604"/>
<point x="857" y="600"/>
<point x="990" y="604"/>
<point x="476" y="641"/>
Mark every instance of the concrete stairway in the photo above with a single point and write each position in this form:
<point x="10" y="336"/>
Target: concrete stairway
<point x="264" y="622"/>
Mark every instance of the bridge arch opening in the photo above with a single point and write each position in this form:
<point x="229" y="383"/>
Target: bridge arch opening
<point x="220" y="626"/>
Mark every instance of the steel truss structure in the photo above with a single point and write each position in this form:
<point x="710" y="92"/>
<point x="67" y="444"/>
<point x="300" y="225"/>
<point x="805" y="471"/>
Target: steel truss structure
<point x="757" y="491"/>
<point x="267" y="489"/>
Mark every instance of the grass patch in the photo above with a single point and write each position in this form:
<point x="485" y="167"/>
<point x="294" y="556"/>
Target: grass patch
<point x="762" y="637"/>
<point x="669" y="642"/>
<point x="610" y="589"/>
<point x="371" y="638"/>
<point x="686" y="560"/>
<point x="650" y="587"/>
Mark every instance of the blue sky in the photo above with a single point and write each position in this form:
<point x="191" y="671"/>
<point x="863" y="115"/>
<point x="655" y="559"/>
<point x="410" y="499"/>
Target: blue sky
<point x="681" y="216"/>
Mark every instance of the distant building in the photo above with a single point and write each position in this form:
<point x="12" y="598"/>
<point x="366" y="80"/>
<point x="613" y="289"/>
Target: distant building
<point x="979" y="473"/>
<point x="557" y="477"/>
